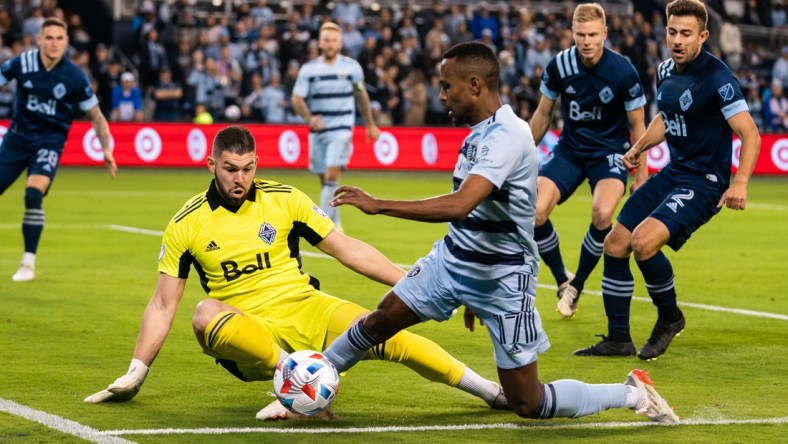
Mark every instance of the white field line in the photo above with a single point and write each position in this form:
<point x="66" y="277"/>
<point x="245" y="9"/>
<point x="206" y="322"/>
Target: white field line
<point x="60" y="424"/>
<point x="400" y="429"/>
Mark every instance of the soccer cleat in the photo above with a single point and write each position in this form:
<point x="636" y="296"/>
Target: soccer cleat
<point x="607" y="347"/>
<point x="650" y="404"/>
<point x="661" y="336"/>
<point x="25" y="273"/>
<point x="273" y="411"/>
<point x="567" y="302"/>
<point x="499" y="403"/>
<point x="569" y="277"/>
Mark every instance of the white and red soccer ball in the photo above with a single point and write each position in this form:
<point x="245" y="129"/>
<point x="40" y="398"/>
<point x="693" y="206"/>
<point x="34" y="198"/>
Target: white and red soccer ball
<point x="306" y="382"/>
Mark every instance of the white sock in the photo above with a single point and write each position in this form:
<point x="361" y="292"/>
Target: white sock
<point x="633" y="397"/>
<point x="476" y="385"/>
<point x="29" y="260"/>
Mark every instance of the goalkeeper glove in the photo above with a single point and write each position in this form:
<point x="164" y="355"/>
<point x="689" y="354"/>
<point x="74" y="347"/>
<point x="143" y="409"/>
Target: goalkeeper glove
<point x="125" y="387"/>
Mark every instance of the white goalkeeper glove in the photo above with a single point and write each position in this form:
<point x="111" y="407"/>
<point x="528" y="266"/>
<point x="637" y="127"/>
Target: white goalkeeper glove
<point x="125" y="387"/>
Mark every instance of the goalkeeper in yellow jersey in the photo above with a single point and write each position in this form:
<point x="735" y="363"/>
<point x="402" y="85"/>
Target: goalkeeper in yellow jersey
<point x="242" y="238"/>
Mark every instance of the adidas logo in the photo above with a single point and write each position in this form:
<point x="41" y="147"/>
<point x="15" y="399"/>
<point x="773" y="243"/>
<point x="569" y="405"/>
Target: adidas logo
<point x="570" y="90"/>
<point x="212" y="247"/>
<point x="28" y="84"/>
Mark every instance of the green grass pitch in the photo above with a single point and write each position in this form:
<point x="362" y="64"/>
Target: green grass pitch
<point x="71" y="332"/>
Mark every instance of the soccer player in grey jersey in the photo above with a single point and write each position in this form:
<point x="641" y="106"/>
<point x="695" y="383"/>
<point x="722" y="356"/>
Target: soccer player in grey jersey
<point x="488" y="260"/>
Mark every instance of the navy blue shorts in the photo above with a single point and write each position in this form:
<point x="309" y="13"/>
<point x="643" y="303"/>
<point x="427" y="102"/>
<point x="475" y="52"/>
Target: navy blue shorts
<point x="568" y="171"/>
<point x="682" y="201"/>
<point x="15" y="157"/>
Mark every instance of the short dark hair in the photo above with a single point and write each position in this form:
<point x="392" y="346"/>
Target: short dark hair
<point x="236" y="139"/>
<point x="477" y="58"/>
<point x="683" y="8"/>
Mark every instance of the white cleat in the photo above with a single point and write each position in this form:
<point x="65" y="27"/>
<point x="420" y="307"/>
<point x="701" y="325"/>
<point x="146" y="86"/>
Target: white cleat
<point x="25" y="273"/>
<point x="650" y="405"/>
<point x="567" y="302"/>
<point x="273" y="411"/>
<point x="499" y="403"/>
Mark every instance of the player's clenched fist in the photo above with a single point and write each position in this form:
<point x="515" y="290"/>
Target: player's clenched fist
<point x="125" y="387"/>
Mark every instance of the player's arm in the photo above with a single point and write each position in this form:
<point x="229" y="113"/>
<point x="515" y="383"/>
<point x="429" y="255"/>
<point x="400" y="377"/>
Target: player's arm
<point x="444" y="208"/>
<point x="742" y="124"/>
<point x="156" y="324"/>
<point x="101" y="127"/>
<point x="542" y="118"/>
<point x="654" y="135"/>
<point x="637" y="125"/>
<point x="360" y="257"/>
<point x="300" y="107"/>
<point x="365" y="110"/>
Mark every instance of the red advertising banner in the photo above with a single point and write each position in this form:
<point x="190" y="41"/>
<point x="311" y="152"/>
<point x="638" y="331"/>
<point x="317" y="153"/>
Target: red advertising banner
<point x="152" y="144"/>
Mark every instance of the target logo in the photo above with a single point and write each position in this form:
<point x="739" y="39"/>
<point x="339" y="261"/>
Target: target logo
<point x="658" y="156"/>
<point x="780" y="154"/>
<point x="429" y="149"/>
<point x="289" y="146"/>
<point x="736" y="154"/>
<point x="147" y="144"/>
<point x="196" y="145"/>
<point x="92" y="147"/>
<point x="386" y="148"/>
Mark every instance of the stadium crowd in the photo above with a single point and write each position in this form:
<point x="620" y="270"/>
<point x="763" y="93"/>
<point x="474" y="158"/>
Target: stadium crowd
<point x="181" y="59"/>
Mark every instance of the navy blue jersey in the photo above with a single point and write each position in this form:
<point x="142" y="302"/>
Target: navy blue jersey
<point x="594" y="101"/>
<point x="695" y="105"/>
<point x="45" y="100"/>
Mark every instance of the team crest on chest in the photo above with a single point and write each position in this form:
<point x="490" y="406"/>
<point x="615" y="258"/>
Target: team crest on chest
<point x="470" y="151"/>
<point x="267" y="233"/>
<point x="59" y="91"/>
<point x="685" y="100"/>
<point x="726" y="92"/>
<point x="606" y="95"/>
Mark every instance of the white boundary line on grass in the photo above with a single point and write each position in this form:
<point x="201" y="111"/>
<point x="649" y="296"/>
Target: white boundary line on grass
<point x="60" y="424"/>
<point x="390" y="429"/>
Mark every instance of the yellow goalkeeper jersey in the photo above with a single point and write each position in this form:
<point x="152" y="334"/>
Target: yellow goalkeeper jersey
<point x="247" y="257"/>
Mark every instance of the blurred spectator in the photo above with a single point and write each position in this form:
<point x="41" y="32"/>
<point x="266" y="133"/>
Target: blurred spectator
<point x="79" y="38"/>
<point x="780" y="68"/>
<point x="454" y="17"/>
<point x="153" y="59"/>
<point x="208" y="92"/>
<point x="252" y="103"/>
<point x="32" y="24"/>
<point x="348" y="11"/>
<point x="7" y="98"/>
<point x="731" y="43"/>
<point x="540" y="55"/>
<point x="436" y="112"/>
<point x="167" y="95"/>
<point x="755" y="105"/>
<point x="778" y="109"/>
<point x="778" y="14"/>
<point x="508" y="68"/>
<point x="352" y="40"/>
<point x="5" y="51"/>
<point x="274" y="101"/>
<point x="482" y="19"/>
<point x="262" y="14"/>
<point x="259" y="60"/>
<point x="414" y="96"/>
<point x="524" y="95"/>
<point x="756" y="13"/>
<point x="126" y="100"/>
<point x="229" y="74"/>
<point x="106" y="81"/>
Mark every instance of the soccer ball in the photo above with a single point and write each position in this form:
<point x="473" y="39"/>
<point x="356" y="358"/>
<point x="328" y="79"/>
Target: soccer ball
<point x="306" y="382"/>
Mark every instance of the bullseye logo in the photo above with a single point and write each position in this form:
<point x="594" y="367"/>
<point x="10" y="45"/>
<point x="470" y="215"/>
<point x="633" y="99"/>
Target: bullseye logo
<point x="658" y="156"/>
<point x="289" y="146"/>
<point x="736" y="154"/>
<point x="546" y="146"/>
<point x="92" y="147"/>
<point x="386" y="148"/>
<point x="780" y="154"/>
<point x="429" y="149"/>
<point x="196" y="145"/>
<point x="147" y="143"/>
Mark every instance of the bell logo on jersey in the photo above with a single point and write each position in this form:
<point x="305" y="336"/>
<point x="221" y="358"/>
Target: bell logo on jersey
<point x="233" y="271"/>
<point x="48" y="108"/>
<point x="577" y="115"/>
<point x="676" y="127"/>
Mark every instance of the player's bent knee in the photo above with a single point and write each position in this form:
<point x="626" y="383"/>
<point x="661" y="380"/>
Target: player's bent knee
<point x="204" y="312"/>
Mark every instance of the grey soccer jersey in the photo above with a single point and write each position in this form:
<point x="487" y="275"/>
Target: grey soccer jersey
<point x="497" y="236"/>
<point x="328" y="90"/>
